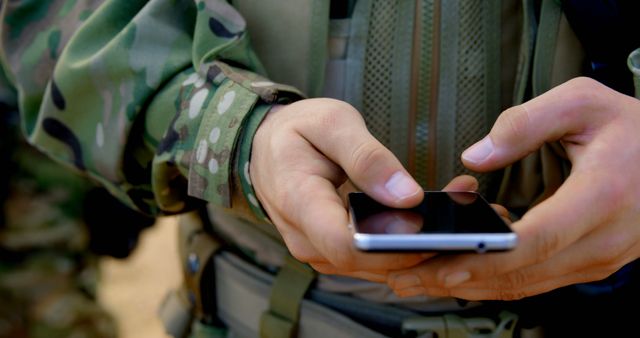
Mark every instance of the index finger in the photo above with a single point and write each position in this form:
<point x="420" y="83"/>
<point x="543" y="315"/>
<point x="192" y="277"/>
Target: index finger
<point x="542" y="232"/>
<point x="566" y="110"/>
<point x="323" y="217"/>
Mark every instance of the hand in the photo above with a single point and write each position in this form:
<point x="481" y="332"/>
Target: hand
<point x="302" y="154"/>
<point x="585" y="232"/>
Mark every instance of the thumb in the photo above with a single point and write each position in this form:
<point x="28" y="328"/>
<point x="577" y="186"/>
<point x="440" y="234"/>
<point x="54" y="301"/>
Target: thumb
<point x="369" y="164"/>
<point x="568" y="109"/>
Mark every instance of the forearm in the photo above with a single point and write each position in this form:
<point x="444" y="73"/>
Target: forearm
<point x="136" y="95"/>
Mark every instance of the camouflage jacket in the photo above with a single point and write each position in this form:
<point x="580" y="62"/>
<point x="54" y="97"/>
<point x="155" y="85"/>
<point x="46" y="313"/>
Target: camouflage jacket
<point x="158" y="100"/>
<point x="149" y="98"/>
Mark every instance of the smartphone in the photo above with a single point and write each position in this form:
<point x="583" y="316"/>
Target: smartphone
<point x="444" y="221"/>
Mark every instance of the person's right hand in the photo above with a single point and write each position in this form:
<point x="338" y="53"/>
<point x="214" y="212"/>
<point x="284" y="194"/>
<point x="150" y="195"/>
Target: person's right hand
<point x="301" y="154"/>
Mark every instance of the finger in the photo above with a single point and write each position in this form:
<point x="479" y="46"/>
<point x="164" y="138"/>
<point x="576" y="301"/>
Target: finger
<point x="462" y="183"/>
<point x="340" y="134"/>
<point x="539" y="239"/>
<point x="512" y="294"/>
<point x="415" y="291"/>
<point x="344" y="190"/>
<point x="599" y="254"/>
<point x="570" y="108"/>
<point x="502" y="211"/>
<point x="378" y="276"/>
<point x="306" y="200"/>
<point x="539" y="279"/>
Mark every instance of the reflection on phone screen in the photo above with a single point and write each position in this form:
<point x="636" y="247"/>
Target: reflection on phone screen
<point x="450" y="212"/>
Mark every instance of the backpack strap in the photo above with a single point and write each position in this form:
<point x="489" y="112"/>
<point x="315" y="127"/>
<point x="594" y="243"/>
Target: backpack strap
<point x="545" y="51"/>
<point x="288" y="290"/>
<point x="527" y="43"/>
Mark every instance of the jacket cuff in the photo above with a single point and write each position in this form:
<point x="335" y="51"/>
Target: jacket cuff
<point x="253" y="122"/>
<point x="225" y="114"/>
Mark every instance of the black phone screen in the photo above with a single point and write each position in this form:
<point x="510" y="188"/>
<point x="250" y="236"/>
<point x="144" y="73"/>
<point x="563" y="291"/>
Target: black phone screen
<point x="439" y="212"/>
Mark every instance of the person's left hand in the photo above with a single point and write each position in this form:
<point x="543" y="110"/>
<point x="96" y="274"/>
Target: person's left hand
<point x="586" y="231"/>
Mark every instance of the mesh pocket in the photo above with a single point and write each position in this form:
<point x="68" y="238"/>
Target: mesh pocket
<point x="377" y="86"/>
<point x="447" y="119"/>
<point x="471" y="118"/>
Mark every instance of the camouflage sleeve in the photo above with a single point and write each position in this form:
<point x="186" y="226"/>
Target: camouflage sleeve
<point x="147" y="97"/>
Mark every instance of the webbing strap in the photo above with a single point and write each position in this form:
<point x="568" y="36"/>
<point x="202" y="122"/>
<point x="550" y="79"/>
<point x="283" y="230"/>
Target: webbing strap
<point x="545" y="51"/>
<point x="176" y="312"/>
<point x="530" y="27"/>
<point x="195" y="248"/>
<point x="287" y="292"/>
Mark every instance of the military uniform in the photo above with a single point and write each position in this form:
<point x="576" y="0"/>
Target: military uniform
<point x="48" y="252"/>
<point x="48" y="277"/>
<point x="158" y="101"/>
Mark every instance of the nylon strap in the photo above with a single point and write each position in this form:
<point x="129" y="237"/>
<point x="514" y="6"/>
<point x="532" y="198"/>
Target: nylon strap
<point x="195" y="248"/>
<point x="530" y="27"/>
<point x="287" y="292"/>
<point x="545" y="51"/>
<point x="176" y="312"/>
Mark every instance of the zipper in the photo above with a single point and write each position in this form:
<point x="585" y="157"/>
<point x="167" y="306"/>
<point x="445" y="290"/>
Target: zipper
<point x="423" y="112"/>
<point x="433" y="95"/>
<point x="413" y="93"/>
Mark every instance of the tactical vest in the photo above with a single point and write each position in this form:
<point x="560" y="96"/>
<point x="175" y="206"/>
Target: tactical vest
<point x="430" y="78"/>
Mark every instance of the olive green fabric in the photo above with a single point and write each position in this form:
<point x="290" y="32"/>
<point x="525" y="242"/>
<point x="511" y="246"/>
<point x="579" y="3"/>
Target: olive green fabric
<point x="137" y="97"/>
<point x="158" y="100"/>
<point x="287" y="292"/>
<point x="300" y="59"/>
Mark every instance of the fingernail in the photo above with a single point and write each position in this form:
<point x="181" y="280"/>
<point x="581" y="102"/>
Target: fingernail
<point x="401" y="186"/>
<point x="456" y="278"/>
<point x="406" y="281"/>
<point x="479" y="151"/>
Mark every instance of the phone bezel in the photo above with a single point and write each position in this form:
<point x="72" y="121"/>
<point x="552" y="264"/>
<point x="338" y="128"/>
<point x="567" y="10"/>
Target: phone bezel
<point x="478" y="242"/>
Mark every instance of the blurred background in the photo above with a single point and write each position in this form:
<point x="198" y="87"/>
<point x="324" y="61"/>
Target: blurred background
<point x="133" y="288"/>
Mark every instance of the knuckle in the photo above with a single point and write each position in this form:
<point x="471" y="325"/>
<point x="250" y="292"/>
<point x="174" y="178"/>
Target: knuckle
<point x="438" y="292"/>
<point x="333" y="113"/>
<point x="284" y="201"/>
<point x="327" y="119"/>
<point x="546" y="244"/>
<point x="323" y="268"/>
<point x="513" y="280"/>
<point x="300" y="253"/>
<point x="516" y="119"/>
<point x="510" y="295"/>
<point x="610" y="253"/>
<point x="587" y="93"/>
<point x="366" y="155"/>
<point x="344" y="262"/>
<point x="489" y="269"/>
<point x="340" y="256"/>
<point x="586" y="85"/>
<point x="614" y="194"/>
